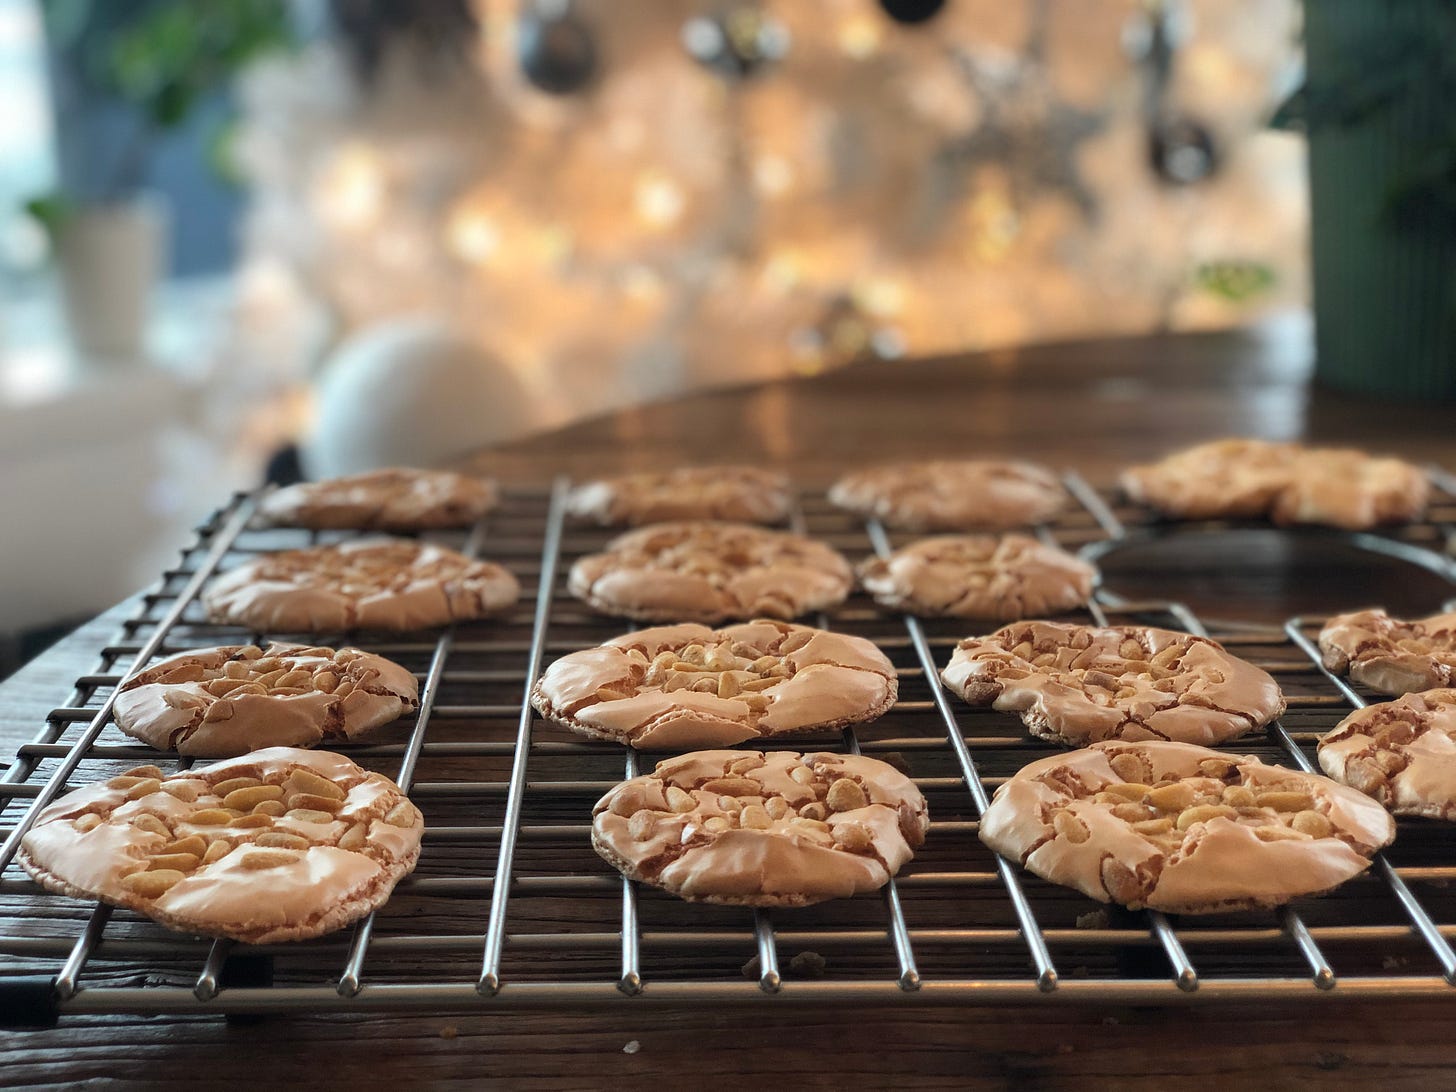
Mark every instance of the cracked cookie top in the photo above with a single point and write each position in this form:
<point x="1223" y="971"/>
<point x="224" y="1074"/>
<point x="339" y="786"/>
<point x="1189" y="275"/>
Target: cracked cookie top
<point x="762" y="829"/>
<point x="1402" y="753"/>
<point x="746" y="494"/>
<point x="280" y="844"/>
<point x="1287" y="483"/>
<point x="395" y="499"/>
<point x="1180" y="828"/>
<point x="1081" y="684"/>
<point x="952" y="494"/>
<point x="979" y="576"/>
<point x="219" y="702"/>
<point x="370" y="584"/>
<point x="690" y="686"/>
<point x="1389" y="655"/>
<point x="710" y="572"/>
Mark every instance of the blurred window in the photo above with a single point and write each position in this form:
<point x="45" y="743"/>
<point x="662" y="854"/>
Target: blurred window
<point x="27" y="152"/>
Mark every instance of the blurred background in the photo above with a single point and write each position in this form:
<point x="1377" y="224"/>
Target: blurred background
<point x="395" y="231"/>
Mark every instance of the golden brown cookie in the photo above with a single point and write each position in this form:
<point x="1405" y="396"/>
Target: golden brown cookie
<point x="1082" y="684"/>
<point x="1402" y="752"/>
<point x="1389" y="655"/>
<point x="1287" y="483"/>
<point x="709" y="572"/>
<point x="753" y="829"/>
<point x="744" y="494"/>
<point x="1184" y="829"/>
<point x="689" y="686"/>
<point x="1000" y="578"/>
<point x="371" y="584"/>
<point x="396" y="499"/>
<point x="220" y="702"/>
<point x="953" y="495"/>
<point x="281" y="844"/>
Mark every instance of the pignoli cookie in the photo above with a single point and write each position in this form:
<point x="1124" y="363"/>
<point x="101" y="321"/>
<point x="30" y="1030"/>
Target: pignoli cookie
<point x="395" y="499"/>
<point x="753" y="829"/>
<point x="1388" y="655"/>
<point x="370" y="584"/>
<point x="710" y="572"/>
<point x="1402" y="752"/>
<point x="744" y="494"/>
<point x="1000" y="578"/>
<point x="220" y="702"/>
<point x="689" y="686"/>
<point x="1184" y="829"/>
<point x="952" y="495"/>
<point x="1287" y="483"/>
<point x="281" y="844"/>
<point x="1083" y="684"/>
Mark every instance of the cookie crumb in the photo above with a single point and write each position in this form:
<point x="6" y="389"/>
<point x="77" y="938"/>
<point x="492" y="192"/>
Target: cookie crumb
<point x="1094" y="919"/>
<point x="1391" y="963"/>
<point x="808" y="964"/>
<point x="449" y="1031"/>
<point x="752" y="969"/>
<point x="632" y="1047"/>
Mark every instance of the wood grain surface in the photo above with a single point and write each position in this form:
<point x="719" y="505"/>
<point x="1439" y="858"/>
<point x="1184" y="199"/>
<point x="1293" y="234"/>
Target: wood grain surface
<point x="1094" y="406"/>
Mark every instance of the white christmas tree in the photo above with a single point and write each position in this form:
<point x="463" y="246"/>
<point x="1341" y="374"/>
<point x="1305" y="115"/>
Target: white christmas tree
<point x="816" y="183"/>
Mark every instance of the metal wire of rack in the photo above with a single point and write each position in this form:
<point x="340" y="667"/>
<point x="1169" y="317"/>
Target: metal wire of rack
<point x="506" y="794"/>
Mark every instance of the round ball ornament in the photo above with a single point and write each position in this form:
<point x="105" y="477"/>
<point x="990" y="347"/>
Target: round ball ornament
<point x="911" y="12"/>
<point x="410" y="392"/>
<point x="556" y="48"/>
<point x="736" y="42"/>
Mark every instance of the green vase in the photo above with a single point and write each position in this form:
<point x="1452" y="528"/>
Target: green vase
<point x="1384" y="284"/>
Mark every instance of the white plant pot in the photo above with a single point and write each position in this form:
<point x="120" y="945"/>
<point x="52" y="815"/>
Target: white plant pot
<point x="110" y="258"/>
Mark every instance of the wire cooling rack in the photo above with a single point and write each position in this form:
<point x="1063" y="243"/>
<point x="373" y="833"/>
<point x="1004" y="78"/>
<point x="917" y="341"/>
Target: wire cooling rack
<point x="506" y="794"/>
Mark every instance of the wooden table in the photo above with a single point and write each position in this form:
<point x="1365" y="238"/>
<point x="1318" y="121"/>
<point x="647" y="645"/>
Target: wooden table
<point x="1094" y="405"/>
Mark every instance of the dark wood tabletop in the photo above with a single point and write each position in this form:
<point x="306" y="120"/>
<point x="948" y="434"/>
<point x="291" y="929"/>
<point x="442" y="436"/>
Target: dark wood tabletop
<point x="1093" y="406"/>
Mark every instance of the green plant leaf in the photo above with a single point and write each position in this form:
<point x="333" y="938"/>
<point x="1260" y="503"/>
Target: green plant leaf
<point x="1235" y="280"/>
<point x="50" y="211"/>
<point x="222" y="151"/>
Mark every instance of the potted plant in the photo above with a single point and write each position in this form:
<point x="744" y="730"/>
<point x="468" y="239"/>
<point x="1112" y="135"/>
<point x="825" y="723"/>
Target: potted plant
<point x="1377" y="106"/>
<point x="159" y="59"/>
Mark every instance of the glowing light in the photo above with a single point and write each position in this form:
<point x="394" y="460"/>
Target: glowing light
<point x="472" y="237"/>
<point x="772" y="175"/>
<point x="782" y="273"/>
<point x="880" y="296"/>
<point x="995" y="224"/>
<point x="659" y="201"/>
<point x="351" y="189"/>
<point x="641" y="284"/>
<point x="859" y="36"/>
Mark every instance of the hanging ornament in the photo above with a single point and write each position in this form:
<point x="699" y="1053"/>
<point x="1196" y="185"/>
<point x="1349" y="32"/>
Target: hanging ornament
<point x="1024" y="127"/>
<point x="736" y="42"/>
<point x="438" y="34"/>
<point x="556" y="49"/>
<point x="911" y="12"/>
<point x="1181" y="149"/>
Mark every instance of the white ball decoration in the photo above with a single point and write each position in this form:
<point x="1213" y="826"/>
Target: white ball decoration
<point x="411" y="392"/>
